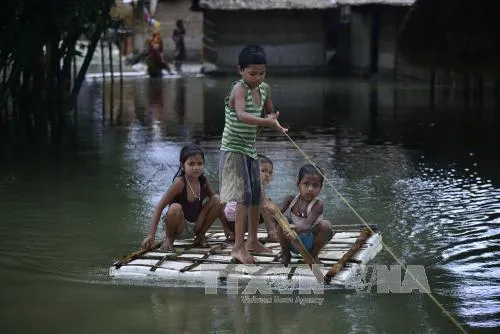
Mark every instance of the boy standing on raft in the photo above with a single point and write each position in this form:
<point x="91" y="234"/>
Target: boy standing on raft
<point x="239" y="172"/>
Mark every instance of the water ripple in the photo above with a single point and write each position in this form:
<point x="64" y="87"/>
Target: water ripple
<point x="458" y="218"/>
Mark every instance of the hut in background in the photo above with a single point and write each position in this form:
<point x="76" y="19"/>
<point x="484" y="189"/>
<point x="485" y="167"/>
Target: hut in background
<point x="348" y="36"/>
<point x="367" y="38"/>
<point x="291" y="31"/>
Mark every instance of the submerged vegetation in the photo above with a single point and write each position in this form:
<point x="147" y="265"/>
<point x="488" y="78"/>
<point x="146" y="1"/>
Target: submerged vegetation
<point x="39" y="43"/>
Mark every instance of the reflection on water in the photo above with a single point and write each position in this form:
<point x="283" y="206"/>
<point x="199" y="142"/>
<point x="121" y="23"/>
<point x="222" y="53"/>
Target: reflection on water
<point x="427" y="176"/>
<point x="458" y="213"/>
<point x="340" y="312"/>
<point x="228" y="314"/>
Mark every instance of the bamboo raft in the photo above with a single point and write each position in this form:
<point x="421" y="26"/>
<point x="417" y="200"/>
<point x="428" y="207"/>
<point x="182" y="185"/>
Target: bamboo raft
<point x="350" y="249"/>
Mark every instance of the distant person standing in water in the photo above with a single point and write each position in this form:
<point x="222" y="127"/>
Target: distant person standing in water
<point x="180" y="47"/>
<point x="154" y="51"/>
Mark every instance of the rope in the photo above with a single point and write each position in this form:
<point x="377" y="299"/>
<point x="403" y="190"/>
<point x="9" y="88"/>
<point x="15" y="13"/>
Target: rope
<point x="427" y="291"/>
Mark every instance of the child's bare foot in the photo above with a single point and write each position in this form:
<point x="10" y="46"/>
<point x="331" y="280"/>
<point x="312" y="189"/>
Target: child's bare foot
<point x="257" y="247"/>
<point x="200" y="241"/>
<point x="242" y="255"/>
<point x="168" y="246"/>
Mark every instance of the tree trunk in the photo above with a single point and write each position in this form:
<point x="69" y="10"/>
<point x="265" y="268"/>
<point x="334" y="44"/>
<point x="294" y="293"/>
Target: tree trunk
<point x="103" y="83"/>
<point x="112" y="86"/>
<point x="85" y="65"/>
<point x="120" y="63"/>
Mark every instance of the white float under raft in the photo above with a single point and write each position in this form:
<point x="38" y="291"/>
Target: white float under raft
<point x="343" y="257"/>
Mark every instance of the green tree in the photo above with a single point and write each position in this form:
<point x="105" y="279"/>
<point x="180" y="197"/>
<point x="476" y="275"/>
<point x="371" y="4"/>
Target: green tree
<point x="38" y="44"/>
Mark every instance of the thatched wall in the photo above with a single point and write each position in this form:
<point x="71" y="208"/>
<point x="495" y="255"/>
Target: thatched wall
<point x="376" y="2"/>
<point x="459" y="35"/>
<point x="291" y="4"/>
<point x="264" y="4"/>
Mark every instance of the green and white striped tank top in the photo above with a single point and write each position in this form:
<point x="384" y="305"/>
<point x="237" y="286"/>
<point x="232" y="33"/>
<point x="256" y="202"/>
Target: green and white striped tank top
<point x="237" y="136"/>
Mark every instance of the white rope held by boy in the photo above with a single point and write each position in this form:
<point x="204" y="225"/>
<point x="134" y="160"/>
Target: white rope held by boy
<point x="427" y="291"/>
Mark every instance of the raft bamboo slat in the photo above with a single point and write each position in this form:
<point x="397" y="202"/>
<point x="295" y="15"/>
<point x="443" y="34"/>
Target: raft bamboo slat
<point x="190" y="263"/>
<point x="363" y="236"/>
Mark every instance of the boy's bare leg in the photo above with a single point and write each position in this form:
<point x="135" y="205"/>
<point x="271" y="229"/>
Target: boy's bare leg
<point x="225" y="224"/>
<point x="322" y="236"/>
<point x="228" y="232"/>
<point x="239" y="251"/>
<point x="286" y="256"/>
<point x="253" y="244"/>
<point x="270" y="226"/>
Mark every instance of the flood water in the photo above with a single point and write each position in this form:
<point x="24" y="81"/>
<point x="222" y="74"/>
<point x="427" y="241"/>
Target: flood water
<point x="427" y="175"/>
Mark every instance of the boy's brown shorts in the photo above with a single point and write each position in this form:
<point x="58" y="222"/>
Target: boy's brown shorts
<point x="239" y="179"/>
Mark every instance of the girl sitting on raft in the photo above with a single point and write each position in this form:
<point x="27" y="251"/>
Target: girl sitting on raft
<point x="188" y="215"/>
